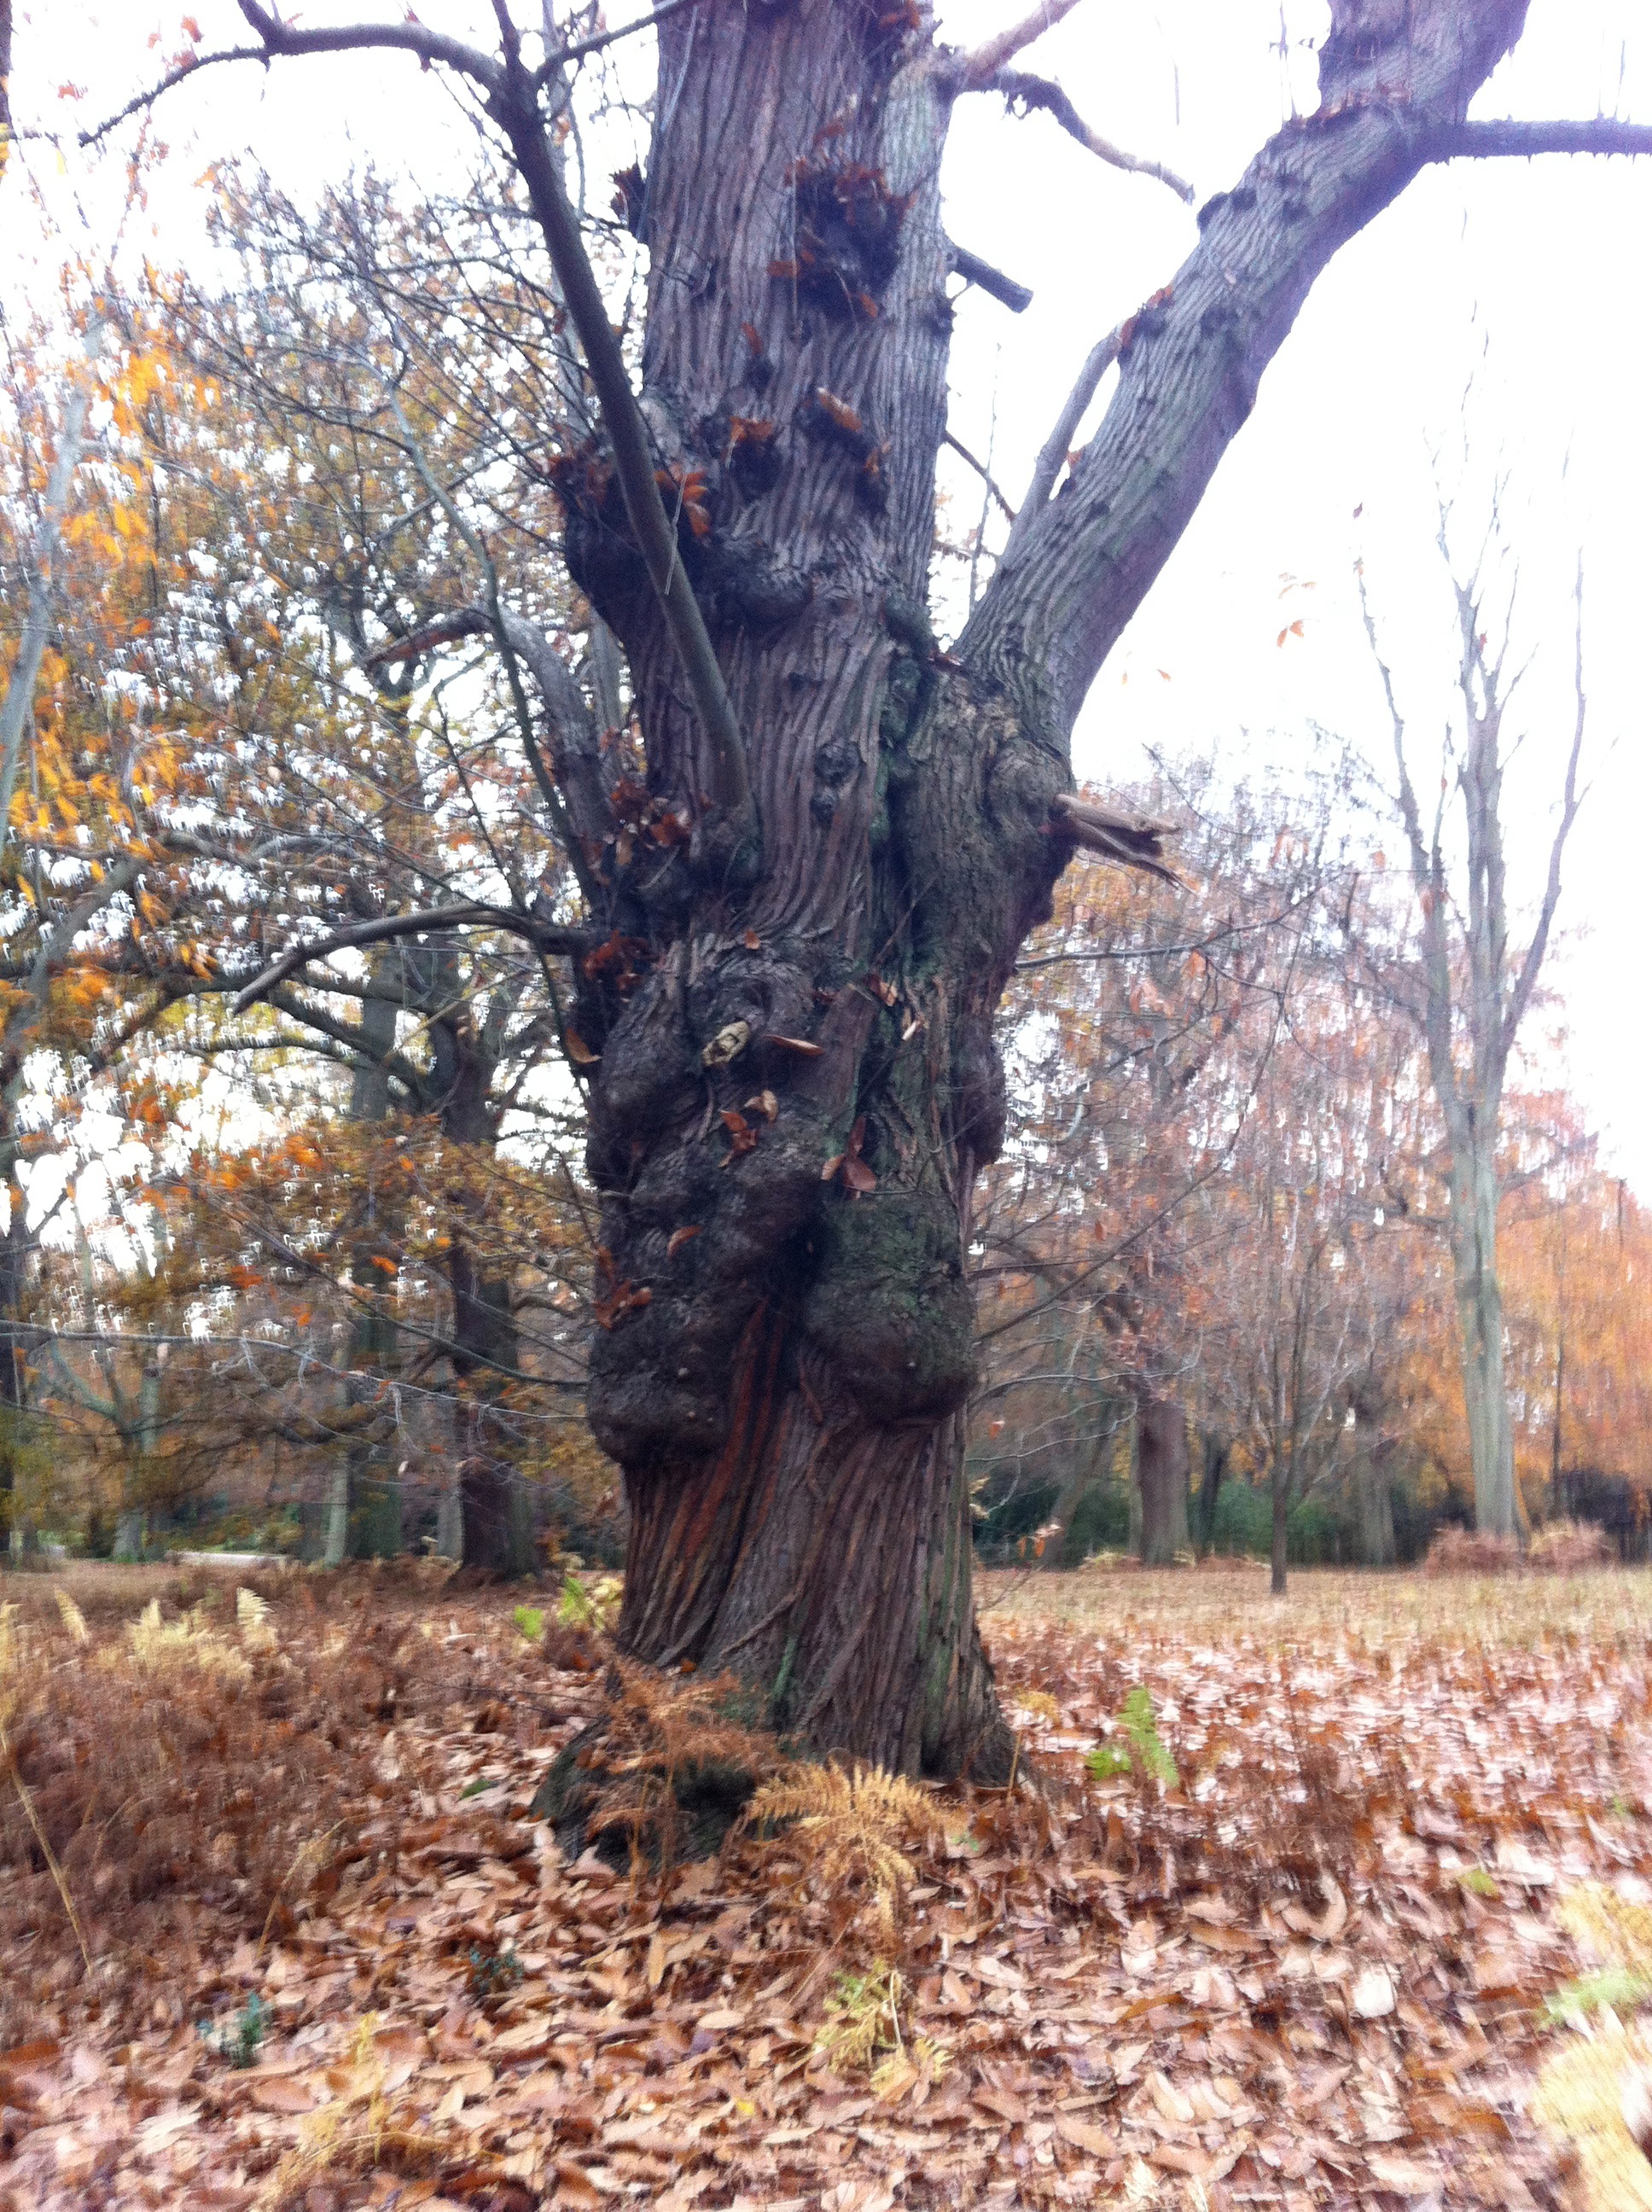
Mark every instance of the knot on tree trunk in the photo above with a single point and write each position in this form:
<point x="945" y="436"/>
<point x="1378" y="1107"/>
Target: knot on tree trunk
<point x="888" y="1306"/>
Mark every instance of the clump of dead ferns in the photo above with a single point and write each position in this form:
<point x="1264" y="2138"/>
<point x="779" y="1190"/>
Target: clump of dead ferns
<point x="849" y="1835"/>
<point x="216" y="1750"/>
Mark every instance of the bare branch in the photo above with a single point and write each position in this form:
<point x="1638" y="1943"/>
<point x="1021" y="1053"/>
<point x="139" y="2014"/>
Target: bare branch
<point x="981" y="470"/>
<point x="428" y="47"/>
<point x="1191" y="365"/>
<point x="1130" y="841"/>
<point x="1526" y="983"/>
<point x="595" y="44"/>
<point x="1599" y="134"/>
<point x="1054" y="453"/>
<point x="1005" y="289"/>
<point x="189" y="67"/>
<point x="1428" y="879"/>
<point x="974" y="70"/>
<point x="446" y="629"/>
<point x="1025" y="93"/>
<point x="461" y="915"/>
<point x="518" y="114"/>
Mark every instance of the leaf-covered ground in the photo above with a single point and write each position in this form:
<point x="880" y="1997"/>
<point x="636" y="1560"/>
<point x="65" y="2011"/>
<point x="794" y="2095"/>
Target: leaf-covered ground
<point x="1295" y="1949"/>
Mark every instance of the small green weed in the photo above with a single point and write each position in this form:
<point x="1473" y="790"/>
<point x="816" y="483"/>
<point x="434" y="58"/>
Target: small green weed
<point x="1614" y="1988"/>
<point x="481" y="1781"/>
<point x="1478" y="1880"/>
<point x="579" y="1608"/>
<point x="1143" y="1746"/>
<point x="531" y="1620"/>
<point x="862" y="2017"/>
<point x="239" y="2037"/>
<point x="493" y="1973"/>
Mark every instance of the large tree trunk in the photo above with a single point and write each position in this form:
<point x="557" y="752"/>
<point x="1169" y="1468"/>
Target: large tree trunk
<point x="794" y="1095"/>
<point x="787" y="1406"/>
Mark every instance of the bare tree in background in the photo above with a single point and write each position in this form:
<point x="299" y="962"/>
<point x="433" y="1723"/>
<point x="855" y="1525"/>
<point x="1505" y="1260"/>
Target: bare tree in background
<point x="1472" y="991"/>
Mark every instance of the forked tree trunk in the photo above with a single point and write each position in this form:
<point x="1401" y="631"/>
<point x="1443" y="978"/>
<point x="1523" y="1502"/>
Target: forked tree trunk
<point x="793" y="1096"/>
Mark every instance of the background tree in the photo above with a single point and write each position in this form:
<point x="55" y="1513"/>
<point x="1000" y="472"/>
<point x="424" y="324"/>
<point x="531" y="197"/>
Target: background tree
<point x="1472" y="988"/>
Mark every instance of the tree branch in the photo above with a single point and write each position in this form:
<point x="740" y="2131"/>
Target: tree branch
<point x="1599" y="134"/>
<point x="1191" y="360"/>
<point x="1526" y="983"/>
<point x="18" y="702"/>
<point x="1005" y="289"/>
<point x="1054" y="453"/>
<point x="412" y="38"/>
<point x="976" y="68"/>
<point x="462" y="915"/>
<point x="1026" y="92"/>
<point x="600" y="39"/>
<point x="512" y="102"/>
<point x="516" y="111"/>
<point x="981" y="470"/>
<point x="189" y="67"/>
<point x="1130" y="841"/>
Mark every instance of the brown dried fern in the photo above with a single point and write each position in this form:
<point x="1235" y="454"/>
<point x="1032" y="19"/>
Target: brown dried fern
<point x="848" y="1831"/>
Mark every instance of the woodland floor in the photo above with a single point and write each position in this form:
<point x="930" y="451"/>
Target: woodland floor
<point x="1312" y="1971"/>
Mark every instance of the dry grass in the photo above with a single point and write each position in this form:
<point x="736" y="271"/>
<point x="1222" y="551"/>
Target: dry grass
<point x="191" y="1768"/>
<point x="1226" y="1605"/>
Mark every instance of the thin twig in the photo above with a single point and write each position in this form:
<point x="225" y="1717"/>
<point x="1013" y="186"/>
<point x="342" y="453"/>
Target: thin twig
<point x="981" y="470"/>
<point x="1026" y="92"/>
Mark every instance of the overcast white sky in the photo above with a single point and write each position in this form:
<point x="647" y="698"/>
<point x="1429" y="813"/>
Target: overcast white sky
<point x="1530" y="279"/>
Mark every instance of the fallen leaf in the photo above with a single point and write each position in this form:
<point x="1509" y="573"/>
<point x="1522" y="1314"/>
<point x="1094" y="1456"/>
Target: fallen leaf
<point x="165" y="2127"/>
<point x="1083" y="2136"/>
<point x="1405" y="2176"/>
<point x="1372" y="1994"/>
<point x="283" y="2093"/>
<point x="1170" y="2101"/>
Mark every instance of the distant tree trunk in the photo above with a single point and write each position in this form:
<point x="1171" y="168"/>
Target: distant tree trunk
<point x="1161" y="1474"/>
<point x="493" y="1533"/>
<point x="1558" y="1488"/>
<point x="14" y="1256"/>
<point x="1472" y="1201"/>
<point x="1280" y="1488"/>
<point x="1216" y="1451"/>
<point x="372" y="1336"/>
<point x="1471" y="1015"/>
